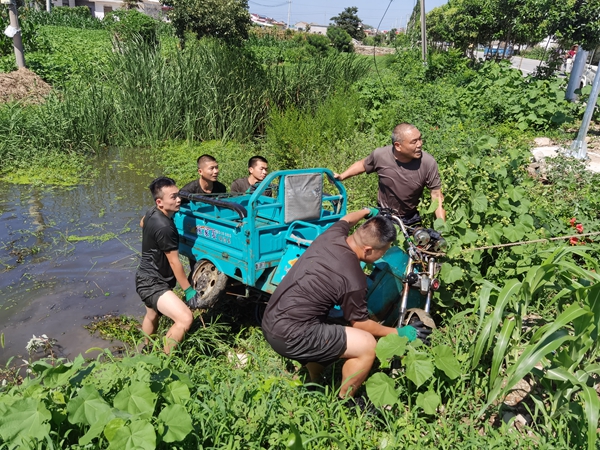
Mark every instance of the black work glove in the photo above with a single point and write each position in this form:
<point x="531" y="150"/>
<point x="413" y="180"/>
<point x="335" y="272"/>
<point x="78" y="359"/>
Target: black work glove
<point x="422" y="332"/>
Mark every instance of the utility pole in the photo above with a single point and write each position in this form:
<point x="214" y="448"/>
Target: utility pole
<point x="48" y="5"/>
<point x="579" y="147"/>
<point x="289" y="11"/>
<point x="13" y="31"/>
<point x="423" y="33"/>
<point x="576" y="73"/>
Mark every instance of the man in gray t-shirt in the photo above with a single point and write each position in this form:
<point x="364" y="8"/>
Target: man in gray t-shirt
<point x="404" y="170"/>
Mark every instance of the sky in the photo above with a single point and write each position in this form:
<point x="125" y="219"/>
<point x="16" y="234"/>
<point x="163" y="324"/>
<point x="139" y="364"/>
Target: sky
<point x="320" y="11"/>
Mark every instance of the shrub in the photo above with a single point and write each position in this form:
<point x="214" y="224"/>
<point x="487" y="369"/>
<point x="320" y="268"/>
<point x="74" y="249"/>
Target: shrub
<point x="340" y="39"/>
<point x="127" y="24"/>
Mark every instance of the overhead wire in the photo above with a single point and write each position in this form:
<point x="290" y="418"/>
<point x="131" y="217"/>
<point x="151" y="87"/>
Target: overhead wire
<point x="374" y="48"/>
<point x="268" y="6"/>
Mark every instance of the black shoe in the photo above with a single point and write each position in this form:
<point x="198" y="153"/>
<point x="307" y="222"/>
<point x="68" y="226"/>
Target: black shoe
<point x="364" y="405"/>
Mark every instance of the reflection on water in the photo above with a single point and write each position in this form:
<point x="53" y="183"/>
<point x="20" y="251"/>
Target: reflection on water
<point x="60" y="261"/>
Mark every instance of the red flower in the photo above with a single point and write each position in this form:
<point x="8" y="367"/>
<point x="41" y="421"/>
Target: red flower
<point x="579" y="228"/>
<point x="573" y="241"/>
<point x="572" y="221"/>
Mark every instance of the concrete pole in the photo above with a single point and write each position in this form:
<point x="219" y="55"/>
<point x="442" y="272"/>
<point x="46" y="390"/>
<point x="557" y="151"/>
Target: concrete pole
<point x="16" y="37"/>
<point x="579" y="147"/>
<point x="423" y="33"/>
<point x="576" y="73"/>
<point x="289" y="11"/>
<point x="48" y="5"/>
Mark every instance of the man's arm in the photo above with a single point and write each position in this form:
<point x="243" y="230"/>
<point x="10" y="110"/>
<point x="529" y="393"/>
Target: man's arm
<point x="370" y="326"/>
<point x="355" y="216"/>
<point x="177" y="267"/>
<point x="440" y="213"/>
<point x="355" y="169"/>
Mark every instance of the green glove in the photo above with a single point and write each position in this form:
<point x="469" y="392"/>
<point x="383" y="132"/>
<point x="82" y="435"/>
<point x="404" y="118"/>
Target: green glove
<point x="189" y="293"/>
<point x="372" y="212"/>
<point x="408" y="331"/>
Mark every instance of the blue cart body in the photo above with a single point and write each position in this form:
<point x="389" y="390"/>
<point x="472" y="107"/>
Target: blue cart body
<point x="255" y="238"/>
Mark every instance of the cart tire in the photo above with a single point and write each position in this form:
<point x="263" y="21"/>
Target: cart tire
<point x="209" y="282"/>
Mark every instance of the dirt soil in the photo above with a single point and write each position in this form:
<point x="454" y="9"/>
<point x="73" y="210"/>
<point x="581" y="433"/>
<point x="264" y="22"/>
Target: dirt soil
<point x="23" y="85"/>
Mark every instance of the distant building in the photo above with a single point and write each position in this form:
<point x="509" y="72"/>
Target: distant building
<point x="311" y="27"/>
<point x="99" y="8"/>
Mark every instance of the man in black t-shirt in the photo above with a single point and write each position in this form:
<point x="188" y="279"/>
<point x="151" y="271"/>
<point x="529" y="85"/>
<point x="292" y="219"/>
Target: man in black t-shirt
<point x="160" y="268"/>
<point x="208" y="169"/>
<point x="329" y="274"/>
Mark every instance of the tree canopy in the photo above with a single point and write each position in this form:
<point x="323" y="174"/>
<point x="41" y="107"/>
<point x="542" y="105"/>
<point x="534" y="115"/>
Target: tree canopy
<point x="349" y="21"/>
<point x="228" y="20"/>
<point x="467" y="23"/>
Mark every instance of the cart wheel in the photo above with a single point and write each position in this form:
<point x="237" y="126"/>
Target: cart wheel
<point x="209" y="282"/>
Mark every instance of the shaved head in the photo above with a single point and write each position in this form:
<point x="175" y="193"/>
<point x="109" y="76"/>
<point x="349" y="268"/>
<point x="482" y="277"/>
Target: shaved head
<point x="377" y="232"/>
<point x="400" y="131"/>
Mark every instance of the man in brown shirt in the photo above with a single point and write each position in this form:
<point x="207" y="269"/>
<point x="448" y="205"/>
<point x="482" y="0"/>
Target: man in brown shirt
<point x="404" y="170"/>
<point x="326" y="275"/>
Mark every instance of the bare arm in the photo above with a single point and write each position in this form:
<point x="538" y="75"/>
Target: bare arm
<point x="440" y="213"/>
<point x="370" y="326"/>
<point x="177" y="267"/>
<point x="355" y="169"/>
<point x="355" y="216"/>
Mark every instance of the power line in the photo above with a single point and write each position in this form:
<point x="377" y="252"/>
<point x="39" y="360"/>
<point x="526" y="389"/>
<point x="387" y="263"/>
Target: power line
<point x="268" y="6"/>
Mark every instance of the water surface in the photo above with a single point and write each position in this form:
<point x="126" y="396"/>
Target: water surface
<point x="68" y="255"/>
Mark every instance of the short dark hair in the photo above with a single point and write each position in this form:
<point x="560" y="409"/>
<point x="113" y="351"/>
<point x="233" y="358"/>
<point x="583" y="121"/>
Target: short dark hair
<point x="158" y="184"/>
<point x="204" y="159"/>
<point x="378" y="232"/>
<point x="255" y="160"/>
<point x="400" y="130"/>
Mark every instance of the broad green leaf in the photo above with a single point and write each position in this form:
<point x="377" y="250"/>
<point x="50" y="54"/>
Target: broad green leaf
<point x="429" y="401"/>
<point x="434" y="205"/>
<point x="390" y="346"/>
<point x="479" y="202"/>
<point x="445" y="361"/>
<point x="487" y="333"/>
<point x="513" y="234"/>
<point x="419" y="367"/>
<point x="24" y="420"/>
<point x="136" y="399"/>
<point x="501" y="346"/>
<point x="450" y="274"/>
<point x="137" y="435"/>
<point x="87" y="407"/>
<point x="294" y="439"/>
<point x="96" y="428"/>
<point x="495" y="233"/>
<point x="177" y="392"/>
<point x="469" y="237"/>
<point x="380" y="389"/>
<point x="112" y="427"/>
<point x="530" y="357"/>
<point x="177" y="421"/>
<point x="591" y="404"/>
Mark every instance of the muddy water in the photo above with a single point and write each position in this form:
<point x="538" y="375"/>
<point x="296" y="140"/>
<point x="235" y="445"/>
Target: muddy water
<point x="70" y="254"/>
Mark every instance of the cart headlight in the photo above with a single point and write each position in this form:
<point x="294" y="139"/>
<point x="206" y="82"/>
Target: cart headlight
<point x="440" y="246"/>
<point x="421" y="237"/>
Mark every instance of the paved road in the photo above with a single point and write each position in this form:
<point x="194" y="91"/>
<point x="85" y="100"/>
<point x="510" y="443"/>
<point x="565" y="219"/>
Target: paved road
<point x="526" y="65"/>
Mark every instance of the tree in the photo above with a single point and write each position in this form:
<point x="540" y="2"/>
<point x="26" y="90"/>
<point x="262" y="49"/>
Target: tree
<point x="577" y="22"/>
<point x="348" y="20"/>
<point x="228" y="20"/>
<point x="340" y="39"/>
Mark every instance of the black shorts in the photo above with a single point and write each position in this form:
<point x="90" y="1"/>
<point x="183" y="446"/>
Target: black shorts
<point x="150" y="289"/>
<point x="320" y="343"/>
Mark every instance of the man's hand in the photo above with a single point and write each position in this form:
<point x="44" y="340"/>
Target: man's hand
<point x="189" y="293"/>
<point x="417" y="330"/>
<point x="372" y="212"/>
<point x="337" y="176"/>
